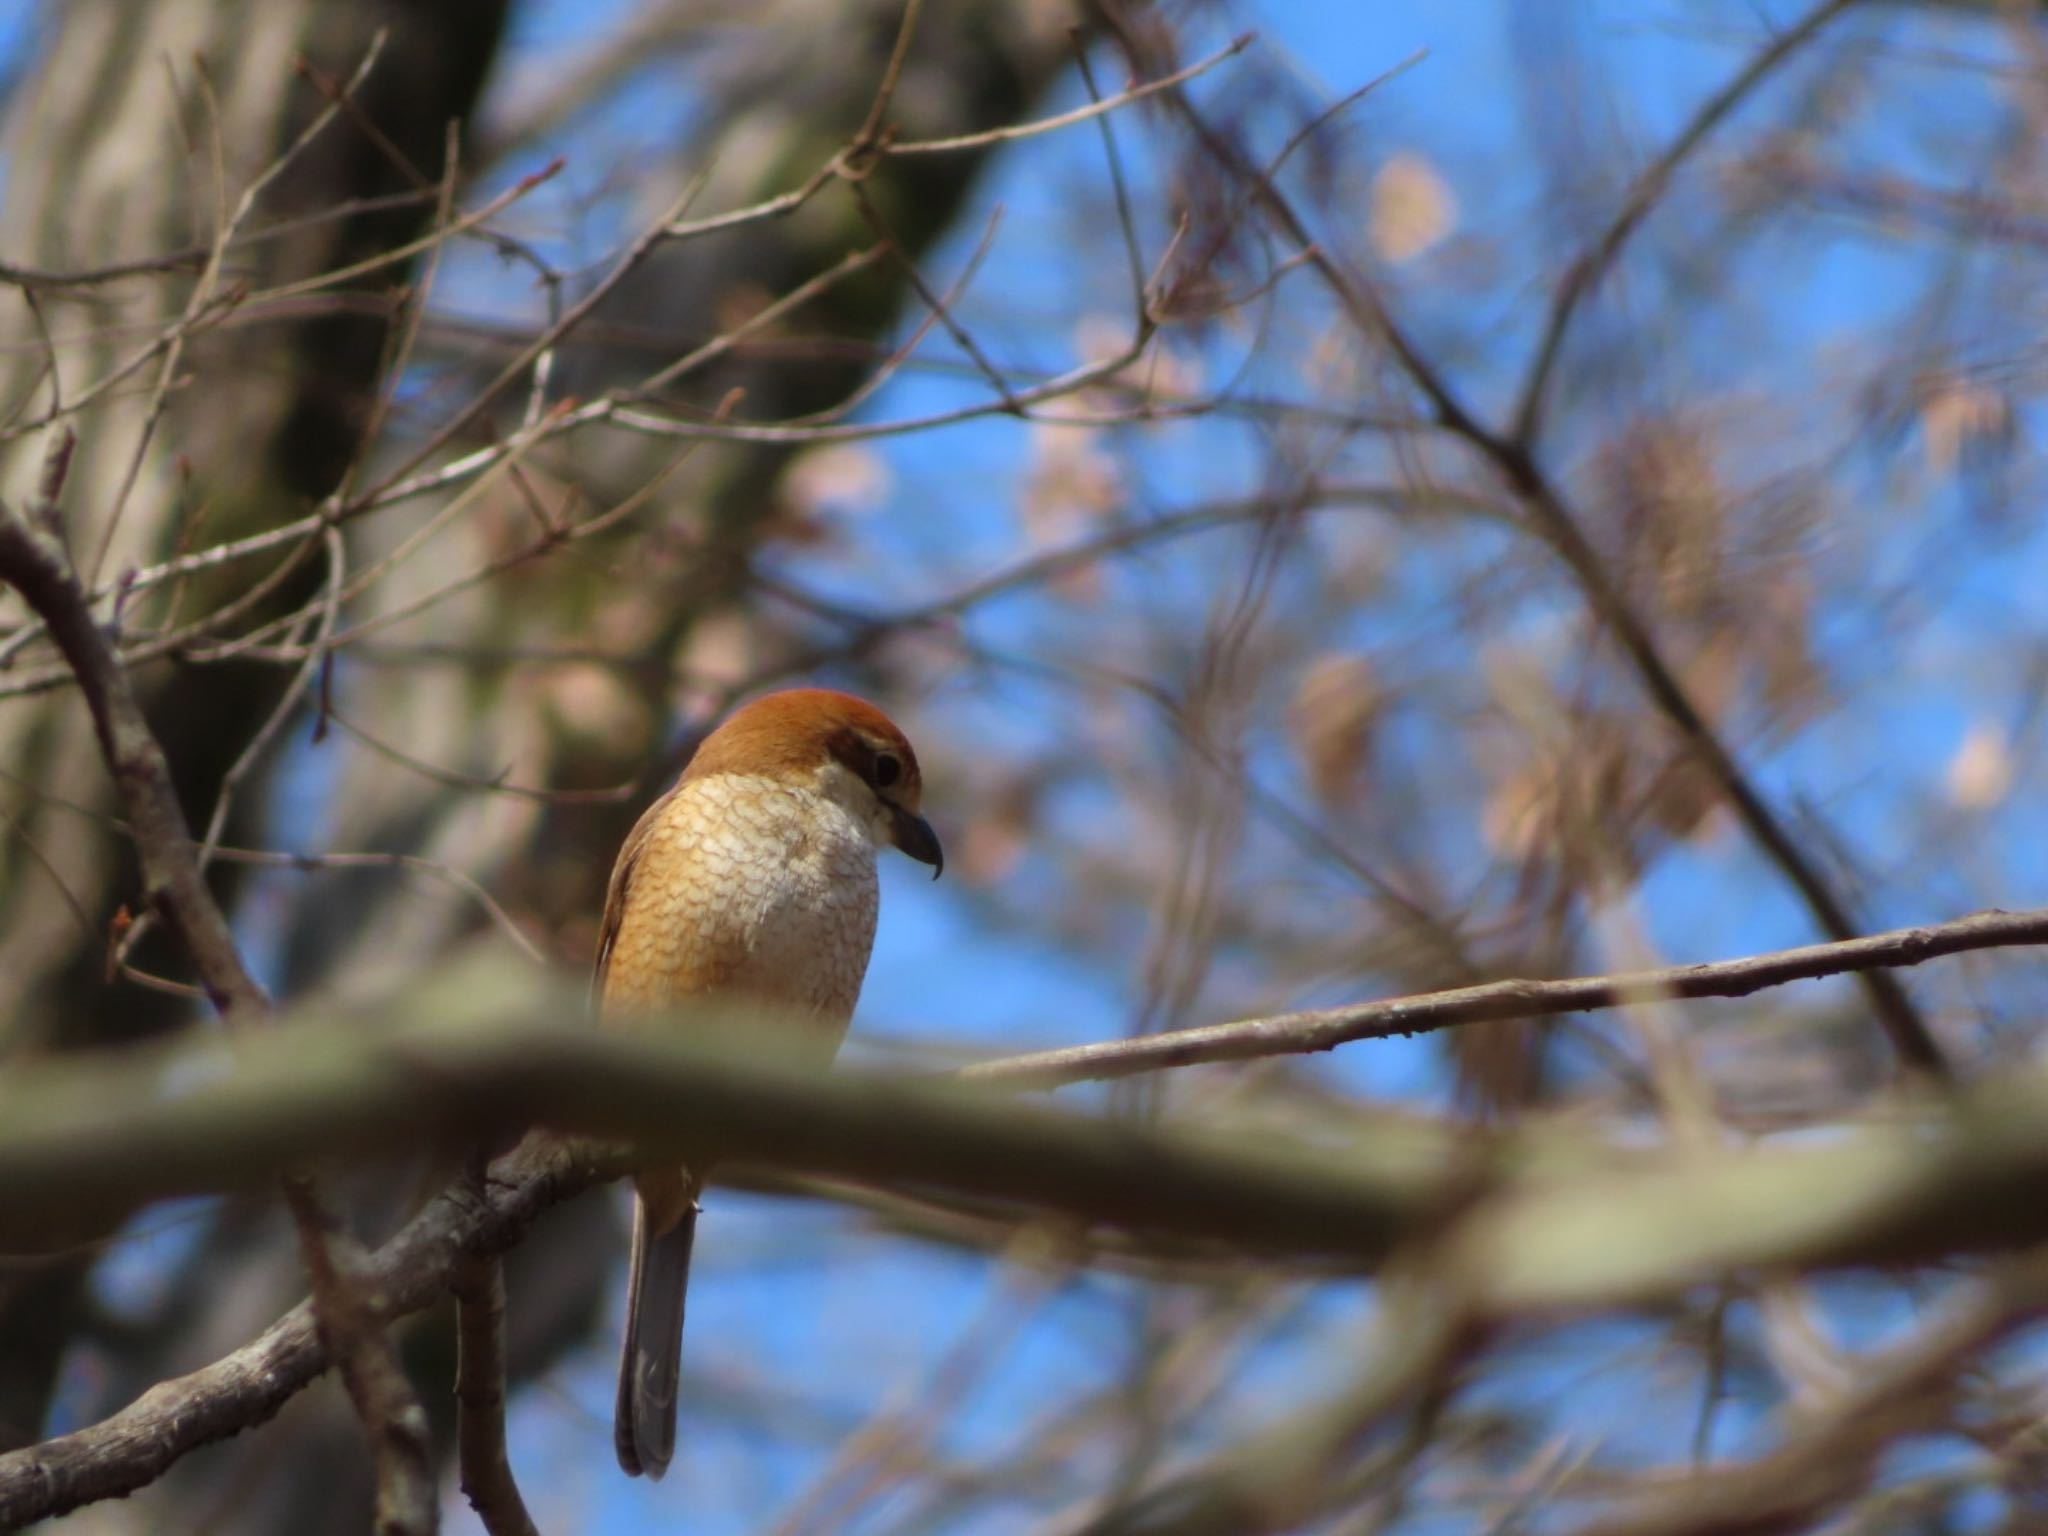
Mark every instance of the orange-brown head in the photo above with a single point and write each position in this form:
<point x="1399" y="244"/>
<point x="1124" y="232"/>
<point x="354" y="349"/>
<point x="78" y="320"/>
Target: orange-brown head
<point x="838" y="743"/>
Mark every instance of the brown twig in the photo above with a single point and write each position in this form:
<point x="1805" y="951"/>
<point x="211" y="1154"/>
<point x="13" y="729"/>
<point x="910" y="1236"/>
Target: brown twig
<point x="486" y="1470"/>
<point x="349" y="1314"/>
<point x="1324" y="1029"/>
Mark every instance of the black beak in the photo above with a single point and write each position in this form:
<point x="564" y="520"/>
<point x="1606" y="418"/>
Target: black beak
<point x="914" y="835"/>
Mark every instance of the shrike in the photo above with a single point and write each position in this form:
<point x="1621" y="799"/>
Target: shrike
<point x="754" y="877"/>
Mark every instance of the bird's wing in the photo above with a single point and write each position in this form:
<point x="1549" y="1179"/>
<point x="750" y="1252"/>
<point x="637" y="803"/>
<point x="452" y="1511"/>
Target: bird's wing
<point x="671" y="926"/>
<point x="615" y="892"/>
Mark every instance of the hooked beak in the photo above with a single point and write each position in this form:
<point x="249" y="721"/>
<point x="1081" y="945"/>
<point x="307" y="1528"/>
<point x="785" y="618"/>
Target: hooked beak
<point x="914" y="835"/>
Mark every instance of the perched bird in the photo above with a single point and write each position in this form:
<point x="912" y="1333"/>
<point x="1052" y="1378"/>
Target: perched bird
<point x="754" y="877"/>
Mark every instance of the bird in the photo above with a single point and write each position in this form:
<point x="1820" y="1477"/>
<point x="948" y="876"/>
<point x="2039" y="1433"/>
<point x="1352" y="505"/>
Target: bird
<point x="753" y="878"/>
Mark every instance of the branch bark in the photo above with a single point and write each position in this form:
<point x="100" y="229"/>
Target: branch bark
<point x="35" y="563"/>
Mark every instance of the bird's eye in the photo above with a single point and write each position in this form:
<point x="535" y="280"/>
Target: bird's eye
<point x="888" y="769"/>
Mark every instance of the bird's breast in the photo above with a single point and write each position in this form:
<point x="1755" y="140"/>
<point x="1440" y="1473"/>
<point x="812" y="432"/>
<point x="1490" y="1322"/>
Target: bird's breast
<point x="752" y="887"/>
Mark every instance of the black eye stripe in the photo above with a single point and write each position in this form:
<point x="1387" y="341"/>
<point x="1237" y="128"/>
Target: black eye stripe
<point x="869" y="760"/>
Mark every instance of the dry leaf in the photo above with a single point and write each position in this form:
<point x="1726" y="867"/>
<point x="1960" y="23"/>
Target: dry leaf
<point x="594" y="703"/>
<point x="1069" y="486"/>
<point x="1412" y="208"/>
<point x="999" y="832"/>
<point x="1981" y="772"/>
<point x="1332" y="718"/>
<point x="848" y="478"/>
<point x="1671" y="512"/>
<point x="1957" y="416"/>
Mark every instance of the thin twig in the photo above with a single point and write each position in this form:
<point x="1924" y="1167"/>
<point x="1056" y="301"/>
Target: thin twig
<point x="495" y="785"/>
<point x="485" y="1468"/>
<point x="1325" y="1028"/>
<point x="1644" y="194"/>
<point x="203" y="291"/>
<point x="988" y="138"/>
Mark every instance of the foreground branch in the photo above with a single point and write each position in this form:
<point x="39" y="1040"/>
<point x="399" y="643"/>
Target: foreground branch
<point x="1569" y="1220"/>
<point x="481" y="1054"/>
<point x="1518" y="1225"/>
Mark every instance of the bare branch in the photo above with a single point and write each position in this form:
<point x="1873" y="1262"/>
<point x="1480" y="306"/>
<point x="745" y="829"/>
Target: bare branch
<point x="1536" y="1224"/>
<point x="1552" y="517"/>
<point x="1101" y="107"/>
<point x="35" y="564"/>
<point x="1324" y="1029"/>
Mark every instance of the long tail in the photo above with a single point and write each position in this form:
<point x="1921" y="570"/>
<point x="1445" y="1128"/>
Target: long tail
<point x="644" y="1428"/>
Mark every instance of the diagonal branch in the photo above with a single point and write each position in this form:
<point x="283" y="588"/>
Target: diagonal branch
<point x="34" y="562"/>
<point x="1555" y="521"/>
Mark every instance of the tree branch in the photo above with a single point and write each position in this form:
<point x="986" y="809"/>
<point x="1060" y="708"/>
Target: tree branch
<point x="484" y="1051"/>
<point x="1644" y="194"/>
<point x="487" y="1481"/>
<point x="1515" y="1226"/>
<point x="34" y="562"/>
<point x="1323" y="1029"/>
<point x="1555" y="521"/>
